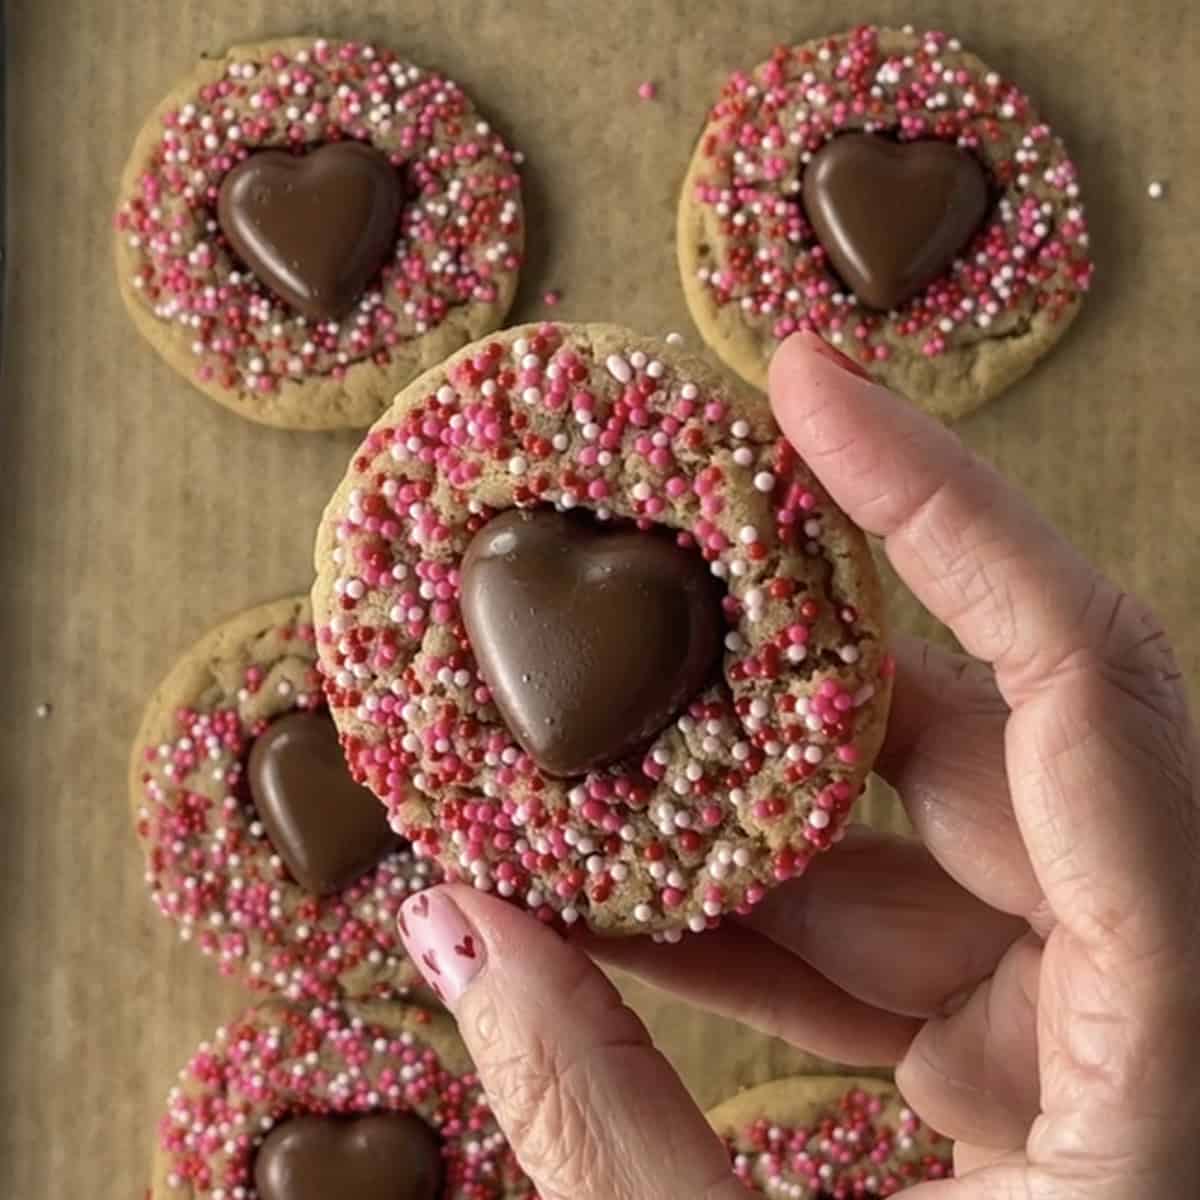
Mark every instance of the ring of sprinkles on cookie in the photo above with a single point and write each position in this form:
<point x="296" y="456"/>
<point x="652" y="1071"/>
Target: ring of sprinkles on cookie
<point x="756" y="271"/>
<point x="277" y="1064"/>
<point x="448" y="275"/>
<point x="210" y="864"/>
<point x="742" y="787"/>
<point x="863" y="1142"/>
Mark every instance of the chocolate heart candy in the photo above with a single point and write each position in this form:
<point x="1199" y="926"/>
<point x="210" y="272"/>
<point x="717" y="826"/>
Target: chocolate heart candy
<point x="315" y="229"/>
<point x="388" y="1156"/>
<point x="590" y="639"/>
<point x="327" y="829"/>
<point x="893" y="215"/>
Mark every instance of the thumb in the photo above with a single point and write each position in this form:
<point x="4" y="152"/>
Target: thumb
<point x="591" y="1108"/>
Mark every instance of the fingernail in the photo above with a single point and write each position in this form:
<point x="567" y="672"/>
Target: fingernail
<point x="441" y="942"/>
<point x="818" y="345"/>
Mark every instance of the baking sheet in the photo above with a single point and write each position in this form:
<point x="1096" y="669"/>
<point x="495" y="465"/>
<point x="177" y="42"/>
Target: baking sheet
<point x="134" y="513"/>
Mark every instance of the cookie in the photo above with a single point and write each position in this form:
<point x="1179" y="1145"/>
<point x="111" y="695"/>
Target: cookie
<point x="304" y="226"/>
<point x="887" y="190"/>
<point x="595" y="635"/>
<point x="239" y="789"/>
<point x="829" y="1138"/>
<point x="379" y="1102"/>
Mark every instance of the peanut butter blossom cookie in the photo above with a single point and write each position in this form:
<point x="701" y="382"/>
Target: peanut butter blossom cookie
<point x="376" y="1103"/>
<point x="305" y="226"/>
<point x="595" y="635"/>
<point x="831" y="1138"/>
<point x="887" y="190"/>
<point x="258" y="843"/>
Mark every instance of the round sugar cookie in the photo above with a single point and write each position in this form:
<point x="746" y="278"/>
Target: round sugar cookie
<point x="497" y="576"/>
<point x="219" y="821"/>
<point x="378" y="1102"/>
<point x="400" y="249"/>
<point x="873" y="135"/>
<point x="828" y="1138"/>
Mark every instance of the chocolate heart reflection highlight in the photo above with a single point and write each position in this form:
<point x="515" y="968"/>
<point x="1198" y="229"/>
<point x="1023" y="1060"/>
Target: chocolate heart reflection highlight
<point x="327" y="829"/>
<point x="590" y="639"/>
<point x="388" y="1156"/>
<point x="315" y="229"/>
<point x="892" y="216"/>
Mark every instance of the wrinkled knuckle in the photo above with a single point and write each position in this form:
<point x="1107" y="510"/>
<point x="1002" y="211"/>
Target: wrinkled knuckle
<point x="550" y="1133"/>
<point x="544" y="1119"/>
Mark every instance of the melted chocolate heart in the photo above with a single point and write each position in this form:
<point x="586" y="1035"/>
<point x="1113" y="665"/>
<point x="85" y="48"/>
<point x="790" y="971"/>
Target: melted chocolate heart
<point x="891" y="215"/>
<point x="327" y="829"/>
<point x="389" y="1156"/>
<point x="590" y="639"/>
<point x="315" y="229"/>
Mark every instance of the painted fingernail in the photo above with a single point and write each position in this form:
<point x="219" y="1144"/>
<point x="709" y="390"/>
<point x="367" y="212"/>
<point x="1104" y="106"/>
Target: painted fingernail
<point x="441" y="942"/>
<point x="820" y="346"/>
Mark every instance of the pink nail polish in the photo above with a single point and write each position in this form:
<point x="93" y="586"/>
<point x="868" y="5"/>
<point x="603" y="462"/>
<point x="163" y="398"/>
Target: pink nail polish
<point x="819" y="346"/>
<point x="446" y="950"/>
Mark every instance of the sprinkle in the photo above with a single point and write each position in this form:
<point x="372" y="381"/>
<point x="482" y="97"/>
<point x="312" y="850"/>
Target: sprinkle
<point x="43" y="710"/>
<point x="1156" y="189"/>
<point x="618" y="368"/>
<point x="647" y="90"/>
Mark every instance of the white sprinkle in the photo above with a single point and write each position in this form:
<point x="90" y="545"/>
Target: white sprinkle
<point x="674" y="339"/>
<point x="43" y="710"/>
<point x="818" y="818"/>
<point x="764" y="481"/>
<point x="643" y="913"/>
<point x="1156" y="190"/>
<point x="618" y="368"/>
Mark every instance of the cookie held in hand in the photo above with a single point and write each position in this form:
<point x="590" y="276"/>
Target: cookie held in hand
<point x="595" y="635"/>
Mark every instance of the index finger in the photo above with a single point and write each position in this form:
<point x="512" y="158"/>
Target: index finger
<point x="970" y="547"/>
<point x="1099" y="713"/>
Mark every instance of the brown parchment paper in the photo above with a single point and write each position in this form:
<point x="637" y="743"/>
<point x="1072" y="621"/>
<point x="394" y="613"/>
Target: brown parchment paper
<point x="134" y="513"/>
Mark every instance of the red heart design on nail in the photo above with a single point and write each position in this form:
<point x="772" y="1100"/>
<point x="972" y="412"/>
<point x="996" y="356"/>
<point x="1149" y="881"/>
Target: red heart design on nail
<point x="421" y="906"/>
<point x="403" y="924"/>
<point x="430" y="960"/>
<point x="466" y="947"/>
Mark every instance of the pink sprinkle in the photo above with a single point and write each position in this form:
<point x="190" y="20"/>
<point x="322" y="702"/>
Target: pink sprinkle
<point x="647" y="90"/>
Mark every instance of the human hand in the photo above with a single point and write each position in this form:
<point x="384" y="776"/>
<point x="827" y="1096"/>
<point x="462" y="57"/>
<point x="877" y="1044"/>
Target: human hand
<point x="1033" y="967"/>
